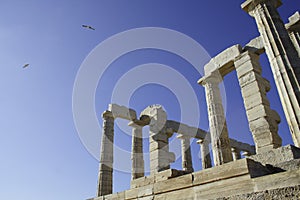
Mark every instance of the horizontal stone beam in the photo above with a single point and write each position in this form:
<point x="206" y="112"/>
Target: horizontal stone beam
<point x="223" y="62"/>
<point x="198" y="133"/>
<point x="185" y="130"/>
<point x="122" y="112"/>
<point x="242" y="146"/>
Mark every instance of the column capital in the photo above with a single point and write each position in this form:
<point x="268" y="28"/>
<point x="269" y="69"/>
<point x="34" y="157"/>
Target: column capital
<point x="107" y="114"/>
<point x="234" y="149"/>
<point x="249" y="5"/>
<point x="203" y="141"/>
<point x="182" y="137"/>
<point x="213" y="77"/>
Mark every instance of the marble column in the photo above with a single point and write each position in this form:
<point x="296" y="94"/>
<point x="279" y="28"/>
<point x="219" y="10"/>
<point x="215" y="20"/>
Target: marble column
<point x="236" y="153"/>
<point x="217" y="123"/>
<point x="186" y="155"/>
<point x="293" y="28"/>
<point x="283" y="58"/>
<point x="137" y="157"/>
<point x="263" y="121"/>
<point x="105" y="176"/>
<point x="205" y="155"/>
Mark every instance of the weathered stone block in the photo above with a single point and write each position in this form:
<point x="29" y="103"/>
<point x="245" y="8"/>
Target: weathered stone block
<point x="172" y="184"/>
<point x="143" y="181"/>
<point x="154" y="145"/>
<point x="229" y="170"/>
<point x="115" y="196"/>
<point x="258" y="112"/>
<point x="279" y="155"/>
<point x="168" y="174"/>
<point x="256" y="100"/>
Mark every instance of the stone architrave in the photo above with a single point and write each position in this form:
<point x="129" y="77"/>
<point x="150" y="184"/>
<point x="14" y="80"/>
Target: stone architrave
<point x="263" y="121"/>
<point x="137" y="150"/>
<point x="283" y="58"/>
<point x="105" y="177"/>
<point x="205" y="155"/>
<point x="217" y="123"/>
<point x="187" y="163"/>
<point x="236" y="153"/>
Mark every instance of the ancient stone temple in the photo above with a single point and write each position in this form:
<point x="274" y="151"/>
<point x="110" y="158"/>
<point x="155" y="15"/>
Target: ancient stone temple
<point x="234" y="170"/>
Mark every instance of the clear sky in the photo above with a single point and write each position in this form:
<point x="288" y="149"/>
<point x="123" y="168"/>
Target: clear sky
<point x="41" y="154"/>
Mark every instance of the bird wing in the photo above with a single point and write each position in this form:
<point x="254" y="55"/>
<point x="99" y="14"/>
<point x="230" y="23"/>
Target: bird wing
<point x="26" y="65"/>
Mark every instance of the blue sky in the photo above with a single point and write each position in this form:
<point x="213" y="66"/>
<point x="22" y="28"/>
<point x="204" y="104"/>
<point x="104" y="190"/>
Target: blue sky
<point x="40" y="150"/>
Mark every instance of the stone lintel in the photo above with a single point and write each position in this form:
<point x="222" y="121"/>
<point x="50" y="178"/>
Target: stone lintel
<point x="294" y="22"/>
<point x="201" y="135"/>
<point x="249" y="5"/>
<point x="185" y="130"/>
<point x="223" y="62"/>
<point x="255" y="45"/>
<point x="122" y="112"/>
<point x="242" y="146"/>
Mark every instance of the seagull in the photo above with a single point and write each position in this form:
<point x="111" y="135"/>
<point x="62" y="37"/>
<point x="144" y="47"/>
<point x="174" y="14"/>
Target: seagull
<point x="26" y="65"/>
<point x="88" y="27"/>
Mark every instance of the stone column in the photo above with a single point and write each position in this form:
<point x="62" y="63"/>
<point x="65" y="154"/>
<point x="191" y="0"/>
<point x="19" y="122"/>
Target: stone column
<point x="263" y="121"/>
<point x="105" y="176"/>
<point x="137" y="157"/>
<point x="205" y="155"/>
<point x="236" y="153"/>
<point x="160" y="157"/>
<point x="283" y="58"/>
<point x="217" y="123"/>
<point x="187" y="163"/>
<point x="293" y="28"/>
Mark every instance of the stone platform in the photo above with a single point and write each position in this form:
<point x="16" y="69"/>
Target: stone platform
<point x="234" y="180"/>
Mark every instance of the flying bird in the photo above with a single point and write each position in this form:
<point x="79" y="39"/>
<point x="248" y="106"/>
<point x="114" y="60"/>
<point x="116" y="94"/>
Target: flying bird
<point x="88" y="27"/>
<point x="26" y="65"/>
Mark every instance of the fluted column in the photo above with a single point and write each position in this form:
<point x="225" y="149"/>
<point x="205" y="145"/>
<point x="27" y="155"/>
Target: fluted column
<point x="236" y="153"/>
<point x="293" y="28"/>
<point x="187" y="163"/>
<point x="105" y="177"/>
<point x="217" y="123"/>
<point x="137" y="157"/>
<point x="205" y="155"/>
<point x="283" y="58"/>
<point x="263" y="121"/>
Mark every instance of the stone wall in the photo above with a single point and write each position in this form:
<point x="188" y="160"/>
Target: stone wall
<point x="288" y="193"/>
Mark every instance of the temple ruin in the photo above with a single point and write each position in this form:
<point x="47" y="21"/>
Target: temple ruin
<point x="238" y="170"/>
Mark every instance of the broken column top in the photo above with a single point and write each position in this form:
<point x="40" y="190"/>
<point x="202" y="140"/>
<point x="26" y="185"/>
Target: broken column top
<point x="249" y="5"/>
<point x="157" y="115"/>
